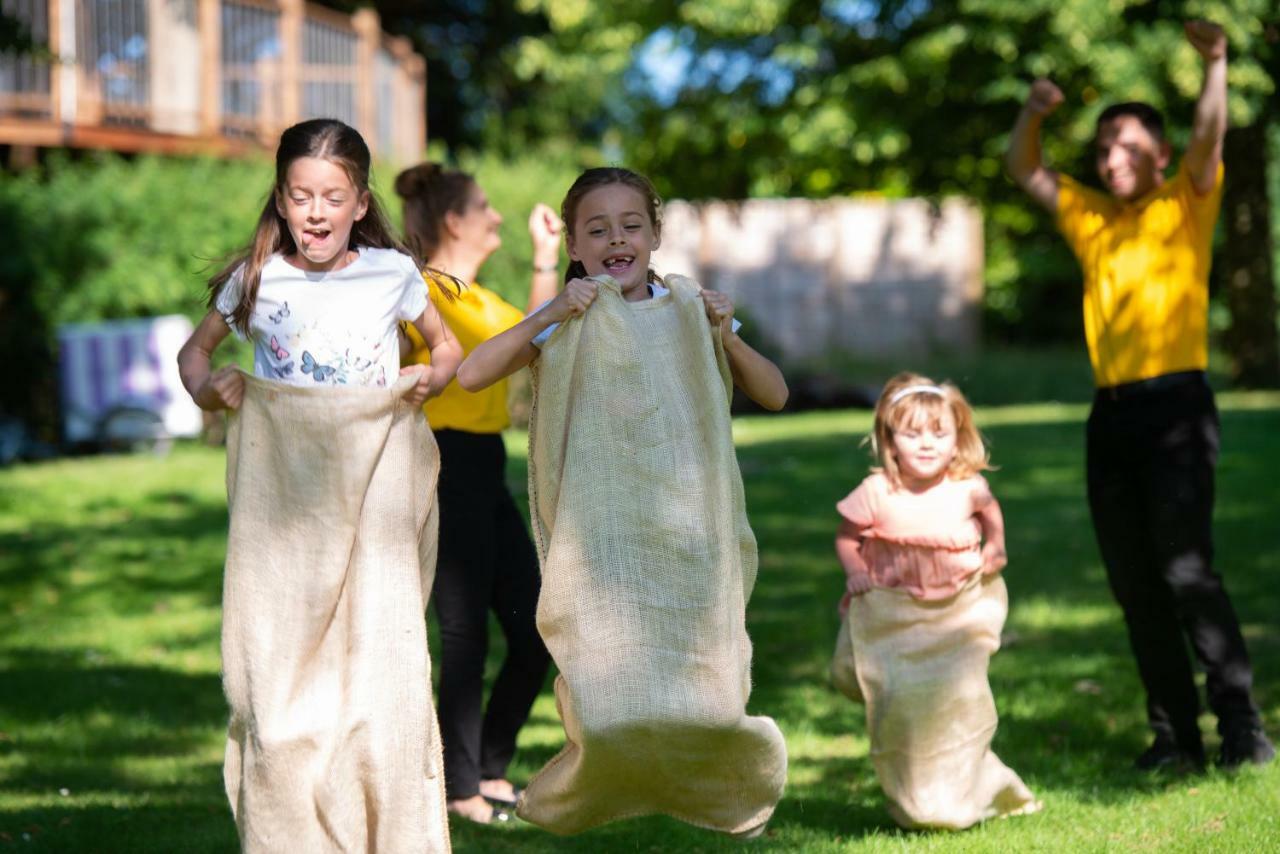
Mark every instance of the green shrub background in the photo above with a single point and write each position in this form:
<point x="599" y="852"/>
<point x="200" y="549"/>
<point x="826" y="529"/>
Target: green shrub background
<point x="107" y="237"/>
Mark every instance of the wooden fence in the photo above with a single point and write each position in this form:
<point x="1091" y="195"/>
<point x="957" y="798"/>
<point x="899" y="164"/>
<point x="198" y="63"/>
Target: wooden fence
<point x="220" y="76"/>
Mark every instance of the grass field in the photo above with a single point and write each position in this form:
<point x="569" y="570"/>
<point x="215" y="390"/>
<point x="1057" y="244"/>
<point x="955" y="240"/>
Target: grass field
<point x="111" y="713"/>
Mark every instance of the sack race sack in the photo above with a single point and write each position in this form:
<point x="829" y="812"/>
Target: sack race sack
<point x="922" y="668"/>
<point x="647" y="565"/>
<point x="844" y="672"/>
<point x="332" y="743"/>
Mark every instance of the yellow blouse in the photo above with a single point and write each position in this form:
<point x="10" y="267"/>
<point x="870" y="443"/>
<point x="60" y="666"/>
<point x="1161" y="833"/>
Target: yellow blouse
<point x="1146" y="276"/>
<point x="475" y="315"/>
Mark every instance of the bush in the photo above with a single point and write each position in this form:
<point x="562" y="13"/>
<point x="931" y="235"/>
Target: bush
<point x="105" y="237"/>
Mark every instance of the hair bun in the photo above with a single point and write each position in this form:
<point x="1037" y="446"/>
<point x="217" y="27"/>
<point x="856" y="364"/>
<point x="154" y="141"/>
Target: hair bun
<point x="417" y="180"/>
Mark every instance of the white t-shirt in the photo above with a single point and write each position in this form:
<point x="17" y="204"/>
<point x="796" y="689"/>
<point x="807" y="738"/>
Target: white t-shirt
<point x="655" y="291"/>
<point x="337" y="328"/>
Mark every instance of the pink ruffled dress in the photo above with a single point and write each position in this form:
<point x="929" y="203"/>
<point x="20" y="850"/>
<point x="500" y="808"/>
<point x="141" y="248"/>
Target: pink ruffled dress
<point x="928" y="543"/>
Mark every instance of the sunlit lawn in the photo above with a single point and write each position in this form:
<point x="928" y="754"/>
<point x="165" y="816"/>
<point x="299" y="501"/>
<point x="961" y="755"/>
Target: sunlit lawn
<point x="111" y="714"/>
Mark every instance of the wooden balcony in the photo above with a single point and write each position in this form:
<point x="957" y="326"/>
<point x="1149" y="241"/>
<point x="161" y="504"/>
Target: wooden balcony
<point x="214" y="76"/>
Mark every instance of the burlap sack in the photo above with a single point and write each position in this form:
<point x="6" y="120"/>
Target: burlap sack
<point x="922" y="668"/>
<point x="648" y="562"/>
<point x="332" y="744"/>
<point x="844" y="673"/>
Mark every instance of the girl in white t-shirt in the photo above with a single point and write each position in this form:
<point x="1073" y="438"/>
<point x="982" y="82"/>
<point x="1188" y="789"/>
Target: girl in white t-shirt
<point x="317" y="739"/>
<point x="322" y="286"/>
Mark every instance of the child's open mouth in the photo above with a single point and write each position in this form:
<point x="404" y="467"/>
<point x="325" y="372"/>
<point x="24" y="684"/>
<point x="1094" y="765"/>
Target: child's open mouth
<point x="315" y="237"/>
<point x="616" y="265"/>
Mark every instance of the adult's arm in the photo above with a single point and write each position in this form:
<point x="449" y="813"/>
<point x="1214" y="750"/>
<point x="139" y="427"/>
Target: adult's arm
<point x="1022" y="160"/>
<point x="211" y="390"/>
<point x="544" y="231"/>
<point x="1204" y="151"/>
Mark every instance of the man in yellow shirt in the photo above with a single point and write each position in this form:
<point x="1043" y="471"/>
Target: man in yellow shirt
<point x="1144" y="248"/>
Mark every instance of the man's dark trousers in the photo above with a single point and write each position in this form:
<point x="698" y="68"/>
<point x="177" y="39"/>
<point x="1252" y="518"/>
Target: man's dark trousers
<point x="1151" y="451"/>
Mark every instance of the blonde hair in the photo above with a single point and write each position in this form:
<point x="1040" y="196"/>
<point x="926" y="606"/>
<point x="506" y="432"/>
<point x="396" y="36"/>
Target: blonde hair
<point x="909" y="399"/>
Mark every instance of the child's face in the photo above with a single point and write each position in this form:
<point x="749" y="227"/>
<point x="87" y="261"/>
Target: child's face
<point x="613" y="235"/>
<point x="320" y="205"/>
<point x="924" y="448"/>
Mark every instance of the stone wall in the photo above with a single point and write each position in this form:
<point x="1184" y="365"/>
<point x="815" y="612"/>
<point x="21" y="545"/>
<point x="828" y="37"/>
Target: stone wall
<point x="866" y="277"/>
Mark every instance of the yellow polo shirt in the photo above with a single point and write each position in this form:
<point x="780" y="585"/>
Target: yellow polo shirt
<point x="475" y="315"/>
<point x="1146" y="275"/>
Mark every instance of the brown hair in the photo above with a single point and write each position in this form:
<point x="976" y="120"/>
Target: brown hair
<point x="429" y="191"/>
<point x="603" y="176"/>
<point x="327" y="139"/>
<point x="924" y="408"/>
<point x="1148" y="116"/>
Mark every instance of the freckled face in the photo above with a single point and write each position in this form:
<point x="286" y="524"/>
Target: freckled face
<point x="320" y="205"/>
<point x="613" y="235"/>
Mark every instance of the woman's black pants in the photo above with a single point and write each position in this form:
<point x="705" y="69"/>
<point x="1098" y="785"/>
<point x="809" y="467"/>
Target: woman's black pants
<point x="486" y="563"/>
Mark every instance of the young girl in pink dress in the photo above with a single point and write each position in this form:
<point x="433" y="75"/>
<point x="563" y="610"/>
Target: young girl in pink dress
<point x="921" y="541"/>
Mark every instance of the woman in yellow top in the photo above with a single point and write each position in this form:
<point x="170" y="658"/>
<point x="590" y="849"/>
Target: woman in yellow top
<point x="487" y="561"/>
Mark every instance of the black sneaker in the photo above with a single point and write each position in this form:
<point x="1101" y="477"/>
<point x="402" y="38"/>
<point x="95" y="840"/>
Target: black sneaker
<point x="1165" y="755"/>
<point x="1246" y="744"/>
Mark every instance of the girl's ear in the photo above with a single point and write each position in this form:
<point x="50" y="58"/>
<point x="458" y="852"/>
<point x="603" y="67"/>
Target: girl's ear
<point x="568" y="245"/>
<point x="279" y="197"/>
<point x="363" y="207"/>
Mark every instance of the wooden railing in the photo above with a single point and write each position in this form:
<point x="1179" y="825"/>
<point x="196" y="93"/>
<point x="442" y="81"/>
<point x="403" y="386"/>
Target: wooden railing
<point x="220" y="76"/>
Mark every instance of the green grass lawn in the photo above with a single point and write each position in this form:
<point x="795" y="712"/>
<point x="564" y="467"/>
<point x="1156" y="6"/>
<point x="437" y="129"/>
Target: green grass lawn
<point x="111" y="713"/>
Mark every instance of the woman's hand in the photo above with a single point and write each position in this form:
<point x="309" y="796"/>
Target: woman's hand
<point x="575" y="299"/>
<point x="224" y="389"/>
<point x="544" y="230"/>
<point x="719" y="310"/>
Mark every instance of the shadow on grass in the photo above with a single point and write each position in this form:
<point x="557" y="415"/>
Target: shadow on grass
<point x="1065" y="684"/>
<point x="131" y="552"/>
<point x="122" y="734"/>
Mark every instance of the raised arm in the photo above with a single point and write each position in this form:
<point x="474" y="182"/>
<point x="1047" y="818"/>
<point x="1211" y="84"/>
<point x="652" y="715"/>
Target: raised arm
<point x="1204" y="151"/>
<point x="446" y="353"/>
<point x="544" y="231"/>
<point x="221" y="389"/>
<point x="1022" y="160"/>
<point x="758" y="377"/>
<point x="505" y="353"/>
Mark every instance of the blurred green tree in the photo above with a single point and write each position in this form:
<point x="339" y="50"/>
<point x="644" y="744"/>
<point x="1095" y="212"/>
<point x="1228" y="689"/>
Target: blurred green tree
<point x="738" y="98"/>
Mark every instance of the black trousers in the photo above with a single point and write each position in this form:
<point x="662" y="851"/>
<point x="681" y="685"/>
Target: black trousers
<point x="1151" y="451"/>
<point x="487" y="562"/>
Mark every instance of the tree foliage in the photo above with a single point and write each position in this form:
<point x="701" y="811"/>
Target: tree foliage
<point x="822" y="97"/>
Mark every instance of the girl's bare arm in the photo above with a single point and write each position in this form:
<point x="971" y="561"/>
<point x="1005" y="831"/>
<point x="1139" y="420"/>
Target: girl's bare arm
<point x="507" y="352"/>
<point x="211" y="390"/>
<point x="446" y="353"/>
